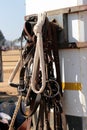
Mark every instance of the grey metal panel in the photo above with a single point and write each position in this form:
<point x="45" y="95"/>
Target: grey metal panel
<point x="81" y="2"/>
<point x="77" y="29"/>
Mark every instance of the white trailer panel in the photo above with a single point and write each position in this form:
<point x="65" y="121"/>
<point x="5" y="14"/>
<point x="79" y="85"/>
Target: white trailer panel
<point x="75" y="71"/>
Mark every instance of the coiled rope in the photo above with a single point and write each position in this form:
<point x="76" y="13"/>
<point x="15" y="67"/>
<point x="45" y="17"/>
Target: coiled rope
<point x="15" y="113"/>
<point x="39" y="55"/>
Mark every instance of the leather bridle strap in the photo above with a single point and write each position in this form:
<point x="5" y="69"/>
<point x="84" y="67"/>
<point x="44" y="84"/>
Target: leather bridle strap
<point x="29" y="36"/>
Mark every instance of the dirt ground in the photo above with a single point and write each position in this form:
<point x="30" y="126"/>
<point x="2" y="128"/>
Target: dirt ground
<point x="7" y="92"/>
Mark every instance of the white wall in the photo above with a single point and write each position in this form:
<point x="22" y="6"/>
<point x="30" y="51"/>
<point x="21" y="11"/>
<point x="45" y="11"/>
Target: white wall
<point x="36" y="6"/>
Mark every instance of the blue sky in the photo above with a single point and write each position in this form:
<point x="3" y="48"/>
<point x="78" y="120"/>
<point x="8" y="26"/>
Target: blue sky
<point x="12" y="14"/>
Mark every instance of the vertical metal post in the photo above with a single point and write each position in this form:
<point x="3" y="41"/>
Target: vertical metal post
<point x="1" y="68"/>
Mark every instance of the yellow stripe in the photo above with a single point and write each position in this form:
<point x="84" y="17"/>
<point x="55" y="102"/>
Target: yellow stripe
<point x="71" y="86"/>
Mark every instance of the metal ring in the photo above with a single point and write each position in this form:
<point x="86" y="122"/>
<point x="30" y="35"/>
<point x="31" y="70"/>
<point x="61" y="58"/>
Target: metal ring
<point x="57" y="86"/>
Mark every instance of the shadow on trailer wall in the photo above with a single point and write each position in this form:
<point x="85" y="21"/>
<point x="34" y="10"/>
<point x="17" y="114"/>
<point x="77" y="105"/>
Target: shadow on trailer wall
<point x="74" y="123"/>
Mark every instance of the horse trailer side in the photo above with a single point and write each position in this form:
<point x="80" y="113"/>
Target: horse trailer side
<point x="72" y="17"/>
